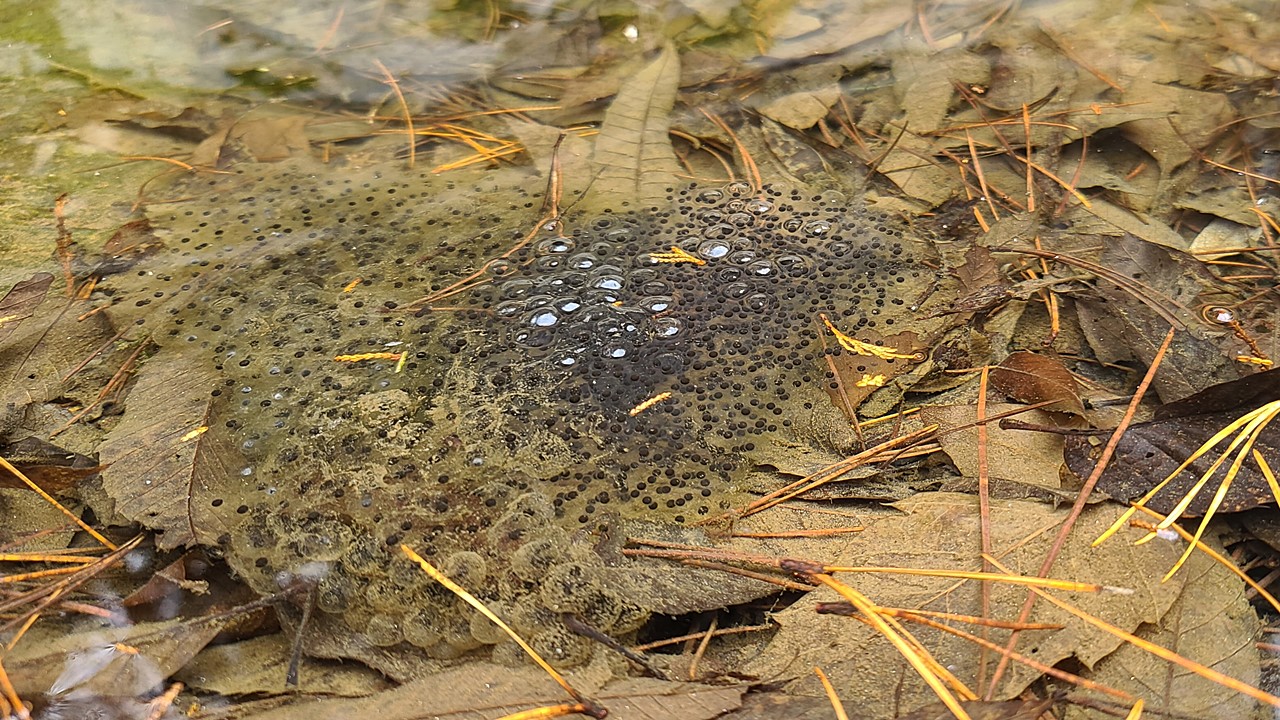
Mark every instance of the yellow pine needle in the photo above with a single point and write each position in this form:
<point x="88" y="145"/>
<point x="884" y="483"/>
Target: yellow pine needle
<point x="646" y="404"/>
<point x="1265" y="467"/>
<point x="49" y="499"/>
<point x="481" y="156"/>
<point x="10" y="695"/>
<point x="968" y="619"/>
<point x="43" y="557"/>
<point x="390" y="80"/>
<point x="922" y="663"/>
<point x="836" y="706"/>
<point x="1269" y="410"/>
<point x="1136" y="711"/>
<point x="872" y="381"/>
<point x="1215" y="555"/>
<point x="474" y="602"/>
<point x="859" y="347"/>
<point x="677" y="255"/>
<point x="361" y="357"/>
<point x="1252" y="423"/>
<point x="1163" y="653"/>
<point x="1017" y="657"/>
<point x="984" y="576"/>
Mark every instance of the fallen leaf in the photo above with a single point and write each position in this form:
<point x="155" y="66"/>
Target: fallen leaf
<point x="801" y="110"/>
<point x="1026" y="457"/>
<point x="257" y="666"/>
<point x="1212" y="622"/>
<point x="1035" y="378"/>
<point x="54" y="470"/>
<point x="122" y="662"/>
<point x="1150" y="452"/>
<point x="20" y="302"/>
<point x="633" y="150"/>
<point x="482" y="691"/>
<point x="157" y="478"/>
<point x="1171" y="285"/>
<point x="942" y="530"/>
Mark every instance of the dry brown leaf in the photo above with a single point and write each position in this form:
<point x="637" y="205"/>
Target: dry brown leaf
<point x="257" y="666"/>
<point x="942" y="530"/>
<point x="20" y="302"/>
<point x="161" y="463"/>
<point x="1017" y="455"/>
<point x="1212" y="622"/>
<point x="801" y="110"/>
<point x="633" y="150"/>
<point x="1035" y="378"/>
<point x="482" y="691"/>
<point x="1173" y="285"/>
<point x="127" y="662"/>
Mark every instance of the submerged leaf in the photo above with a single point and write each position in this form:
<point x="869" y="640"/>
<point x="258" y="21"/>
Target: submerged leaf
<point x="1150" y="452"/>
<point x="1034" y="378"/>
<point x="633" y="151"/>
<point x="21" y="300"/>
<point x="161" y="464"/>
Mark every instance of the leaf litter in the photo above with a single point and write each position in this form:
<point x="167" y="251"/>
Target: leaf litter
<point x="1068" y="274"/>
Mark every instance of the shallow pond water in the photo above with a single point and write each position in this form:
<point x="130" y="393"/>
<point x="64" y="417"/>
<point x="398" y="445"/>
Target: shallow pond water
<point x="508" y="282"/>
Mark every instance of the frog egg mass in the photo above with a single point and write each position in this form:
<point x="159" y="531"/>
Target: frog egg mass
<point x="491" y="408"/>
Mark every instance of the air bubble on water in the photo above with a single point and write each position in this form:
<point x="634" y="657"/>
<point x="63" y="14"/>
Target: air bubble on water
<point x="817" y="228"/>
<point x="509" y="309"/>
<point x="667" y="327"/>
<point x="714" y="249"/>
<point x="544" y="317"/>
<point x="656" y="304"/>
<point x="583" y="261"/>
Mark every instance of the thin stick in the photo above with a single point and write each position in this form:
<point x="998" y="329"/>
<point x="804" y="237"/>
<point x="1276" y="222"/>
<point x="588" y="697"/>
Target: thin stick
<point x="984" y="512"/>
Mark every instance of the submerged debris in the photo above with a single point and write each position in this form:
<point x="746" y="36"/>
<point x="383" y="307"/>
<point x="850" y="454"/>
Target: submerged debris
<point x="578" y="379"/>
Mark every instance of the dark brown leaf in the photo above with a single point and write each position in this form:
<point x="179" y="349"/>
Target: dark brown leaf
<point x="979" y="269"/>
<point x="130" y="243"/>
<point x="1150" y="452"/>
<point x="1236" y="396"/>
<point x="54" y="469"/>
<point x="1169" y="286"/>
<point x="1034" y="378"/>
